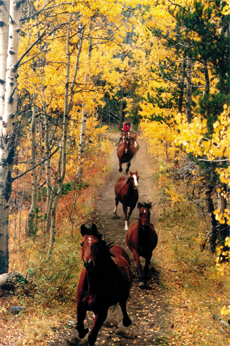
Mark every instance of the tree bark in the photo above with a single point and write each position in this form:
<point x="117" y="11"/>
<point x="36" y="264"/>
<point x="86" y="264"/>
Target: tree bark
<point x="213" y="221"/>
<point x="180" y="106"/>
<point x="31" y="220"/>
<point x="62" y="157"/>
<point x="189" y="90"/>
<point x="4" y="29"/>
<point x="7" y="126"/>
<point x="84" y="116"/>
<point x="222" y="205"/>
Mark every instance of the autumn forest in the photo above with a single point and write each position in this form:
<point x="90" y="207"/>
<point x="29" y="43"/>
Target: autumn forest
<point x="70" y="74"/>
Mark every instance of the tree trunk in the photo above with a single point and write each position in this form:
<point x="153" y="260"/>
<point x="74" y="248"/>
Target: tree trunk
<point x="222" y="205"/>
<point x="180" y="105"/>
<point x="213" y="221"/>
<point x="7" y="126"/>
<point x="49" y="193"/>
<point x="4" y="29"/>
<point x="83" y="118"/>
<point x="62" y="157"/>
<point x="189" y="90"/>
<point x="31" y="220"/>
<point x="121" y="110"/>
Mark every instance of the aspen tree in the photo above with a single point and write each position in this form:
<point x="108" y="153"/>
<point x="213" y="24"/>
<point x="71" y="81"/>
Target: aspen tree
<point x="30" y="222"/>
<point x="7" y="121"/>
<point x="84" y="111"/>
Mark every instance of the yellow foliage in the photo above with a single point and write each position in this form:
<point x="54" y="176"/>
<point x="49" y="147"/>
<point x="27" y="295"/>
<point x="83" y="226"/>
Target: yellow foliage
<point x="160" y="137"/>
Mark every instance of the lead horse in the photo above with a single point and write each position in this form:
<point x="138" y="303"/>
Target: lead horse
<point x="105" y="281"/>
<point x="142" y="239"/>
<point x="125" y="151"/>
<point x="126" y="192"/>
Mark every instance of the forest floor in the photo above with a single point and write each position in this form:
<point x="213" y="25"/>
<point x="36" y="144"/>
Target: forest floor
<point x="148" y="310"/>
<point x="184" y="292"/>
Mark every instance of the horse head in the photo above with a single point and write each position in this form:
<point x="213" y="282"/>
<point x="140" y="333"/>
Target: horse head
<point x="90" y="245"/>
<point x="144" y="214"/>
<point x="133" y="178"/>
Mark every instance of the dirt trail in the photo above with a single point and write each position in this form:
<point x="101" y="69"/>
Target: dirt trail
<point x="146" y="308"/>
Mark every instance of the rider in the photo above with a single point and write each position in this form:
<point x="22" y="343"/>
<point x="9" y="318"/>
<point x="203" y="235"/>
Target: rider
<point x="127" y="126"/>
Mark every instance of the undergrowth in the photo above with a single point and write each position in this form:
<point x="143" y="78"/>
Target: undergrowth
<point x="50" y="295"/>
<point x="188" y="275"/>
<point x="194" y="290"/>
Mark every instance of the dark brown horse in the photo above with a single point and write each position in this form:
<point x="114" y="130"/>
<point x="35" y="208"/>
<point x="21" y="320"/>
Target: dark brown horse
<point x="126" y="192"/>
<point x="142" y="239"/>
<point x="105" y="281"/>
<point x="125" y="152"/>
<point x="133" y="140"/>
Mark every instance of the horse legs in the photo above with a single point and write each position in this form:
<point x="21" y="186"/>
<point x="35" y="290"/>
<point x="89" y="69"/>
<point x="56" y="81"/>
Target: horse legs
<point x="139" y="267"/>
<point x="146" y="268"/>
<point x="127" y="168"/>
<point x="120" y="166"/>
<point x="126" y="217"/>
<point x="81" y="314"/>
<point x="116" y="204"/>
<point x="126" y="319"/>
<point x="98" y="321"/>
<point x="130" y="212"/>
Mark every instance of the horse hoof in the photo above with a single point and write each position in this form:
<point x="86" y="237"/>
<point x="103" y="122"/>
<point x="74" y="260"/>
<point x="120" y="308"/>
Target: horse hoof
<point x="126" y="322"/>
<point x="91" y="339"/>
<point x="120" y="170"/>
<point x="143" y="285"/>
<point x="83" y="333"/>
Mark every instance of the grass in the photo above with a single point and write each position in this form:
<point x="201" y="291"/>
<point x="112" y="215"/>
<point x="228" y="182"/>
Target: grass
<point x="50" y="299"/>
<point x="189" y="277"/>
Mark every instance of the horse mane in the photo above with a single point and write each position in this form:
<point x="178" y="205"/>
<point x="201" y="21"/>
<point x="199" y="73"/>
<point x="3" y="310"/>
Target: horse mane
<point x="107" y="246"/>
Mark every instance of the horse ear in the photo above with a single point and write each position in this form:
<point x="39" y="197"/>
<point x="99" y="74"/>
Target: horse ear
<point x="94" y="230"/>
<point x="83" y="230"/>
<point x="89" y="230"/>
<point x="150" y="205"/>
<point x="139" y="205"/>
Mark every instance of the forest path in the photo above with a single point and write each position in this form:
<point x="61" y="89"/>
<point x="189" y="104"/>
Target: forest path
<point x="146" y="308"/>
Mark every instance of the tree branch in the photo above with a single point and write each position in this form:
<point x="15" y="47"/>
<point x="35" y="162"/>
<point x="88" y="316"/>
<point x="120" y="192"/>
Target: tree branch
<point x="39" y="39"/>
<point x="38" y="164"/>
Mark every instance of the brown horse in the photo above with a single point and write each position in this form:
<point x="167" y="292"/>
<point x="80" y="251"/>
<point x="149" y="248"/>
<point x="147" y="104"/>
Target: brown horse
<point x="142" y="239"/>
<point x="126" y="192"/>
<point x="133" y="140"/>
<point x="105" y="281"/>
<point x="125" y="152"/>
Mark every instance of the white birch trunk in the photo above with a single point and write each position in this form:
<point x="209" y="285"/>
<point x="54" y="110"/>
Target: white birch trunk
<point x="31" y="220"/>
<point x="4" y="29"/>
<point x="62" y="157"/>
<point x="50" y="195"/>
<point x="83" y="121"/>
<point x="7" y="125"/>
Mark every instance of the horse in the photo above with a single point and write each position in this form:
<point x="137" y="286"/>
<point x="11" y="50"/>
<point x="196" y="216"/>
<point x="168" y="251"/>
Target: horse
<point x="105" y="280"/>
<point x="133" y="140"/>
<point x="142" y="239"/>
<point x="126" y="192"/>
<point x="125" y="152"/>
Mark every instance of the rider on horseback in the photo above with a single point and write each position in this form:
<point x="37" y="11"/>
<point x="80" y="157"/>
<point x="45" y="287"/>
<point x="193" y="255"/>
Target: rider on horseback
<point x="127" y="126"/>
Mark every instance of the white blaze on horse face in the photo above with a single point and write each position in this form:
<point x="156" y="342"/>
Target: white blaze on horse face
<point x="135" y="180"/>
